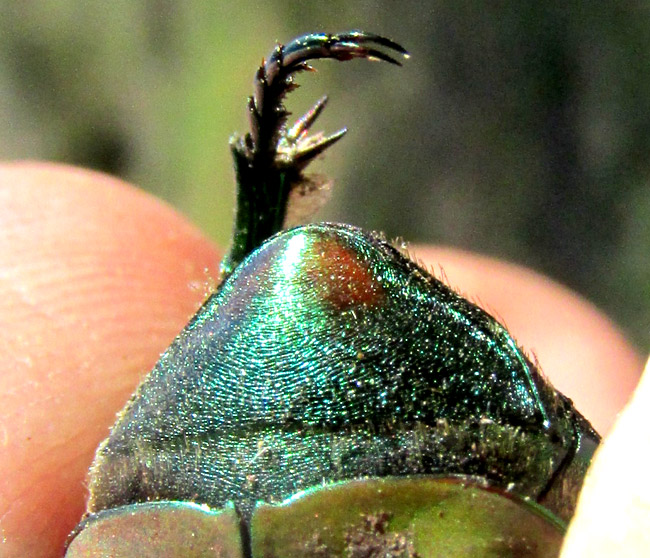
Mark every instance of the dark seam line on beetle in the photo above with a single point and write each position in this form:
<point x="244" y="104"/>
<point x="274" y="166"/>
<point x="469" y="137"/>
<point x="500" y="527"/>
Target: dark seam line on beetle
<point x="245" y="534"/>
<point x="565" y="463"/>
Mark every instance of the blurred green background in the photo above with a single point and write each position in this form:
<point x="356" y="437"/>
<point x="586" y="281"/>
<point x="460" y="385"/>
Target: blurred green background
<point x="517" y="129"/>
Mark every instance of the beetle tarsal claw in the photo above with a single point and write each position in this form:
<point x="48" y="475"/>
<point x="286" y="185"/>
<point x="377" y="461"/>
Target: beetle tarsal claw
<point x="274" y="78"/>
<point x="340" y="46"/>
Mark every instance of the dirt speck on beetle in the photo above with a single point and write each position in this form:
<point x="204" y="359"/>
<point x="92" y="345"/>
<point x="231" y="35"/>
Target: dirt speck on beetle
<point x="371" y="540"/>
<point x="315" y="548"/>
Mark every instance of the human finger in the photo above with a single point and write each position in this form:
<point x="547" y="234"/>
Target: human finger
<point x="96" y="279"/>
<point x="613" y="514"/>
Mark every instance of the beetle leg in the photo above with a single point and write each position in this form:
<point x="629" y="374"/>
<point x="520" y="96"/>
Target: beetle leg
<point x="341" y="46"/>
<point x="274" y="78"/>
<point x="270" y="159"/>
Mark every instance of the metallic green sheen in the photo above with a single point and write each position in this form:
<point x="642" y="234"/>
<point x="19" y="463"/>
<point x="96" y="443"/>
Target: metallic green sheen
<point x="328" y="355"/>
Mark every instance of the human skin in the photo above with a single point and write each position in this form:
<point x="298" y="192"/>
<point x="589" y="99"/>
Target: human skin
<point x="96" y="279"/>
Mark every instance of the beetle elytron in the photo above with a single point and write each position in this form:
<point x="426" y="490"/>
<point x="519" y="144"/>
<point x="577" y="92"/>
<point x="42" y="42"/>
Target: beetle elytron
<point x="332" y="398"/>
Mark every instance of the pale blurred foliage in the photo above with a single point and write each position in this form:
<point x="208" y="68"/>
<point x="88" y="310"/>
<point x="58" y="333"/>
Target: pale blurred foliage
<point x="520" y="129"/>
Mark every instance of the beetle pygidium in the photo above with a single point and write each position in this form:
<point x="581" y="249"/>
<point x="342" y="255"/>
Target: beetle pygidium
<point x="332" y="398"/>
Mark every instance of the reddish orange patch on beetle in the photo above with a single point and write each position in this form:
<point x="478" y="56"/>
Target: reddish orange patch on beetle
<point x="342" y="277"/>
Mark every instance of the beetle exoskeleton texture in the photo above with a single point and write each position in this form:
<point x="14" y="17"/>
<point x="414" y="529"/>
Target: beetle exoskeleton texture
<point x="332" y="395"/>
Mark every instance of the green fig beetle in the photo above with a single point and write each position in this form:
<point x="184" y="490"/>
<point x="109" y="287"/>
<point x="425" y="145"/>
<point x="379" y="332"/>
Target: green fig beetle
<point x="332" y="397"/>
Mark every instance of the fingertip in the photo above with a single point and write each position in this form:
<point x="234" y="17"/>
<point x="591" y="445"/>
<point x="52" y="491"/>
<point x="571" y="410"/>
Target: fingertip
<point x="613" y="512"/>
<point x="96" y="277"/>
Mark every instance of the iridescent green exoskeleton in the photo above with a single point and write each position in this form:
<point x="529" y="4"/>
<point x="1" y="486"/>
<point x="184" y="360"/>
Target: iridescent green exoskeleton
<point x="332" y="398"/>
